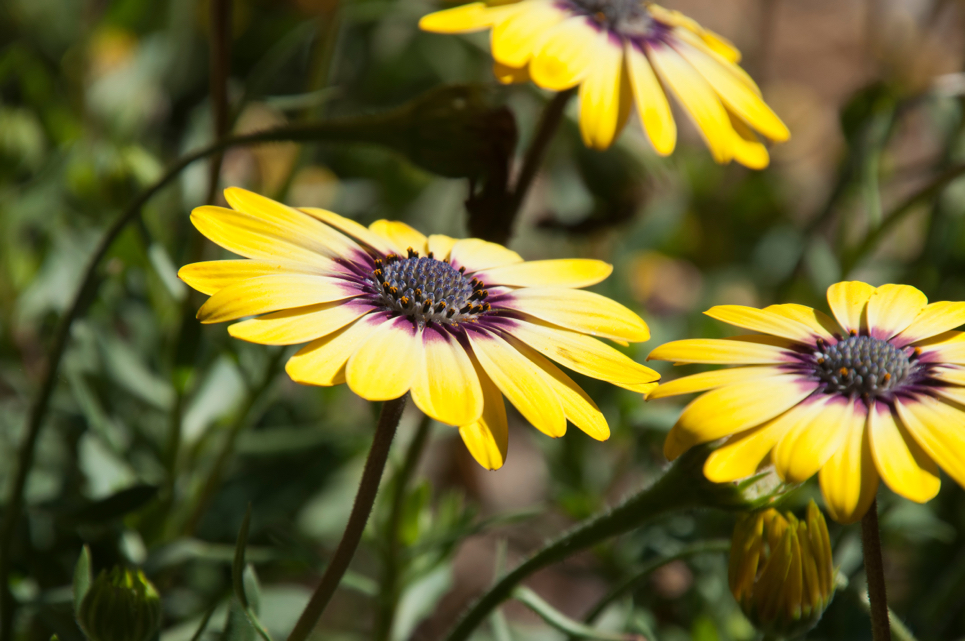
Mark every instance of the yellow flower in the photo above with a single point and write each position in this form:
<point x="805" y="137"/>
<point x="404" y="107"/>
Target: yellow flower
<point x="781" y="570"/>
<point x="456" y="323"/>
<point x="880" y="394"/>
<point x="621" y="53"/>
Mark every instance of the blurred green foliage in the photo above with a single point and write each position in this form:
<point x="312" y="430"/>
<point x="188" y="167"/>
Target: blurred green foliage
<point x="162" y="432"/>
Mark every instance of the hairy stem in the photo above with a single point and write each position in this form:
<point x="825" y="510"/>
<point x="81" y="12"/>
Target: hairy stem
<point x="874" y="569"/>
<point x="364" y="499"/>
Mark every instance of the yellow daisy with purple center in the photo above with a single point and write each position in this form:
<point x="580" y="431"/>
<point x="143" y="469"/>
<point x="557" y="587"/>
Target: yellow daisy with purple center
<point x="621" y="54"/>
<point x="458" y="324"/>
<point x="880" y="393"/>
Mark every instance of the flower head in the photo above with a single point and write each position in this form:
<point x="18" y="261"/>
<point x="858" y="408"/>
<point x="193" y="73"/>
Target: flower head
<point x="121" y="605"/>
<point x="879" y="394"/>
<point x="623" y="53"/>
<point x="456" y="323"/>
<point x="781" y="570"/>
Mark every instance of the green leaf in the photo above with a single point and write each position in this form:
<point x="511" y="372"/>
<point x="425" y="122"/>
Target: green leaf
<point x="413" y="513"/>
<point x="83" y="577"/>
<point x="560" y="621"/>
<point x="116" y="505"/>
<point x="244" y="608"/>
<point x="238" y="566"/>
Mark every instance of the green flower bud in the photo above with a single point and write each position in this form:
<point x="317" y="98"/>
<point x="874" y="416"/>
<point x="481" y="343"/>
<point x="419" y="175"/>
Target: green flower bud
<point x="120" y="606"/>
<point x="781" y="570"/>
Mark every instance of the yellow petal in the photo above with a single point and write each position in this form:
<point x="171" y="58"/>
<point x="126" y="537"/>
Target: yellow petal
<point x="720" y="351"/>
<point x="652" y="105"/>
<point x="939" y="429"/>
<point x="954" y="374"/>
<point x="510" y="75"/>
<point x="710" y="380"/>
<point x="848" y="301"/>
<point x="475" y="16"/>
<point x="578" y="407"/>
<point x="748" y="150"/>
<point x="300" y="325"/>
<point x="322" y="362"/>
<point x="212" y="276"/>
<point x="253" y="237"/>
<point x="583" y="354"/>
<point x="298" y="224"/>
<point x="476" y="255"/>
<point x="515" y="38"/>
<point x="734" y="408"/>
<point x="581" y="311"/>
<point x="400" y="236"/>
<point x="522" y="381"/>
<point x="272" y="293"/>
<point x="818" y="322"/>
<point x="762" y="320"/>
<point x="903" y="466"/>
<point x="808" y="446"/>
<point x="440" y="246"/>
<point x="564" y="56"/>
<point x="892" y="308"/>
<point x="738" y="97"/>
<point x="600" y="103"/>
<point x="709" y="47"/>
<point x="488" y="438"/>
<point x="445" y="386"/>
<point x="742" y="453"/>
<point x="351" y="228"/>
<point x="567" y="272"/>
<point x="849" y="480"/>
<point x="386" y="363"/>
<point x="935" y="319"/>
<point x="697" y="98"/>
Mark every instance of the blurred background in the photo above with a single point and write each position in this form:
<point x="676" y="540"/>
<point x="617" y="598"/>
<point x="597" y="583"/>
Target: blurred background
<point x="161" y="432"/>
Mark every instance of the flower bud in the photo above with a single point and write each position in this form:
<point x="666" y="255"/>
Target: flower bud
<point x="120" y="606"/>
<point x="781" y="571"/>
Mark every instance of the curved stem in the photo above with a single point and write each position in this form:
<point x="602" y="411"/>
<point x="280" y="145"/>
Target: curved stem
<point x="671" y="492"/>
<point x="874" y="569"/>
<point x="38" y="410"/>
<point x="389" y="591"/>
<point x="364" y="499"/>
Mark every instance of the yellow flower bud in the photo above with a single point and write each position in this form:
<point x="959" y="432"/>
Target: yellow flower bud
<point x="781" y="570"/>
<point x="120" y="606"/>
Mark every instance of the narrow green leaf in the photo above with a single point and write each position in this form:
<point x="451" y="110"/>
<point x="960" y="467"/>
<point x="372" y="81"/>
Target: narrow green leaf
<point x="83" y="577"/>
<point x="238" y="566"/>
<point x="561" y="622"/>
<point x="204" y="623"/>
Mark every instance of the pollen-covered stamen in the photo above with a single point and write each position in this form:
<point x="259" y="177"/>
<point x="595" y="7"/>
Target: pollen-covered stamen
<point x="862" y="366"/>
<point x="428" y="290"/>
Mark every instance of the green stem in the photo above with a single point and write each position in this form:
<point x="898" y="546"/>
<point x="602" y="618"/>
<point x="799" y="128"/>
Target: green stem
<point x="389" y="591"/>
<point x="220" y="69"/>
<point x="874" y="569"/>
<point x="674" y="491"/>
<point x="364" y="499"/>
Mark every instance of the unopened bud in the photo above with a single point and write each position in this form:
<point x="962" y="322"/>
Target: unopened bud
<point x="121" y="605"/>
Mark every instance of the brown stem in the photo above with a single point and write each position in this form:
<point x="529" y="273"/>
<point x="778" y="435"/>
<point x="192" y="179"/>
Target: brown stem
<point x="364" y="499"/>
<point x="874" y="569"/>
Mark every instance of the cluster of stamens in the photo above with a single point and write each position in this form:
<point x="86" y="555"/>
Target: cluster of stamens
<point x="625" y="16"/>
<point x="429" y="290"/>
<point x="862" y="366"/>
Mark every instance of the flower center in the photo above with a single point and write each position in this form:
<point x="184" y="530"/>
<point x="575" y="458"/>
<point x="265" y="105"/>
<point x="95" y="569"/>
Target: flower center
<point x="625" y="16"/>
<point x="861" y="365"/>
<point x="429" y="290"/>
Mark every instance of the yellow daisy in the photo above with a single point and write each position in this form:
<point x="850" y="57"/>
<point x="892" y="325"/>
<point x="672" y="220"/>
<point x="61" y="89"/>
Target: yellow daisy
<point x="621" y="53"/>
<point x="455" y="323"/>
<point x="880" y="394"/>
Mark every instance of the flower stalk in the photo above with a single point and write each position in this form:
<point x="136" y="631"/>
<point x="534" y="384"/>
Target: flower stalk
<point x="874" y="569"/>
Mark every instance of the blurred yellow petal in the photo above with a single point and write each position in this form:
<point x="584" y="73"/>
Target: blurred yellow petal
<point x="515" y="38"/>
<point x="567" y="272"/>
<point x="600" y="103"/>
<point x="849" y="480"/>
<point x="299" y="325"/>
<point x="476" y="255"/>
<point x="892" y="308"/>
<point x="440" y="246"/>
<point x="487" y="439"/>
<point x="805" y="448"/>
<point x="565" y="55"/>
<point x="400" y="236"/>
<point x="818" y="322"/>
<point x="748" y="150"/>
<point x="939" y="429"/>
<point x="762" y="320"/>
<point x="272" y="293"/>
<point x="522" y="381"/>
<point x="350" y="227"/>
<point x="651" y="101"/>
<point x="322" y="362"/>
<point x="710" y="380"/>
<point x="475" y="16"/>
<point x="720" y="351"/>
<point x="734" y="408"/>
<point x="848" y="301"/>
<point x="934" y="319"/>
<point x="446" y="386"/>
<point x="581" y="311"/>
<point x="903" y="465"/>
<point x="742" y="453"/>
<point x="385" y="364"/>
<point x="212" y="276"/>
<point x="583" y="354"/>
<point x="697" y="98"/>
